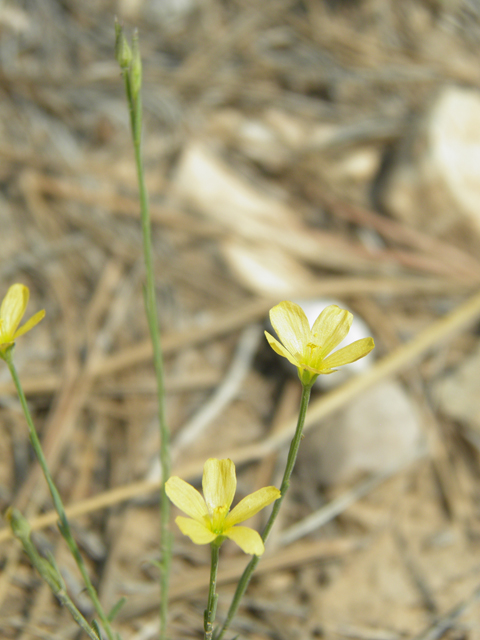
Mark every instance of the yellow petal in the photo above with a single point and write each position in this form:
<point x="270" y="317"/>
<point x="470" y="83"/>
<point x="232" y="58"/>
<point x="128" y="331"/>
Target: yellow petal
<point x="30" y="324"/>
<point x="291" y="326"/>
<point x="247" y="539"/>
<point x="331" y="327"/>
<point x="196" y="531"/>
<point x="219" y="483"/>
<point x="350" y="353"/>
<point x="186" y="498"/>
<point x="280" y="349"/>
<point x="12" y="309"/>
<point x="251" y="505"/>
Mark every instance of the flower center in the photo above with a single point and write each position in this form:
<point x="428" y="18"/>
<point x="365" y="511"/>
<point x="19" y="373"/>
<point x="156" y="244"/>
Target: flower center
<point x="217" y="519"/>
<point x="312" y="356"/>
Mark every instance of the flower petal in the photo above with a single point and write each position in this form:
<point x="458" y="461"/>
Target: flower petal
<point x="196" y="531"/>
<point x="186" y="498"/>
<point x="350" y="353"/>
<point x="291" y="326"/>
<point x="30" y="324"/>
<point x="219" y="483"/>
<point x="280" y="349"/>
<point x="247" y="539"/>
<point x="12" y="309"/>
<point x="331" y="327"/>
<point x="251" y="505"/>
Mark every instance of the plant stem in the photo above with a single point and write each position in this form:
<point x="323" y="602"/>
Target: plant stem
<point x="209" y="615"/>
<point x="63" y="524"/>
<point x="135" y="108"/>
<point x="251" y="566"/>
<point x="21" y="530"/>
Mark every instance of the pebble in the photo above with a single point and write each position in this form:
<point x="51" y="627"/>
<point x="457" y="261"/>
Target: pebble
<point x="377" y="432"/>
<point x="456" y="393"/>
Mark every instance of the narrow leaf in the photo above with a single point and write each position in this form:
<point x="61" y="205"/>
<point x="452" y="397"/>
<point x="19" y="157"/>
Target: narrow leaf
<point x="116" y="608"/>
<point x="96" y="628"/>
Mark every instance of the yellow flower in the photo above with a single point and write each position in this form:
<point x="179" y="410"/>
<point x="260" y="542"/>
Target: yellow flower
<point x="12" y="311"/>
<point x="308" y="348"/>
<point x="210" y="518"/>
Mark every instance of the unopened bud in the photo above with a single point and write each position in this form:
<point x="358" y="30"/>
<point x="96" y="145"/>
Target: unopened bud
<point x="123" y="53"/>
<point x="20" y="526"/>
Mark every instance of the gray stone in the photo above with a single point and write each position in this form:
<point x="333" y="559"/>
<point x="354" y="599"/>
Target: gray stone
<point x="457" y="395"/>
<point x="377" y="432"/>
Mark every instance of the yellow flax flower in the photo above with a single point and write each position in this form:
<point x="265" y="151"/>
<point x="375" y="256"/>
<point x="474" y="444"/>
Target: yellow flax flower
<point x="12" y="311"/>
<point x="210" y="518"/>
<point x="308" y="348"/>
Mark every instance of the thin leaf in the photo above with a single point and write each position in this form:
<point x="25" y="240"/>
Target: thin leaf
<point x="156" y="563"/>
<point x="96" y="628"/>
<point x="55" y="568"/>
<point x="116" y="608"/>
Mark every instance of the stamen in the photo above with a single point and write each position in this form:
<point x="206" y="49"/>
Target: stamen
<point x="218" y="518"/>
<point x="312" y="356"/>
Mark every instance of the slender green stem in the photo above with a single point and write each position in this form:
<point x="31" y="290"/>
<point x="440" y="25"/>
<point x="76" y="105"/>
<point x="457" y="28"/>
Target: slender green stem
<point x="210" y="611"/>
<point x="135" y="109"/>
<point x="63" y="524"/>
<point x="21" y="530"/>
<point x="251" y="566"/>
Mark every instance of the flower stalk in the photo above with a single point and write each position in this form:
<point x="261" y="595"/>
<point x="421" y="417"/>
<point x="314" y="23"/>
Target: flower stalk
<point x="48" y="570"/>
<point x="212" y="521"/>
<point x="63" y="523"/>
<point x="310" y="350"/>
<point x="131" y="68"/>
<point x="210" y="611"/>
<point x="252" y="565"/>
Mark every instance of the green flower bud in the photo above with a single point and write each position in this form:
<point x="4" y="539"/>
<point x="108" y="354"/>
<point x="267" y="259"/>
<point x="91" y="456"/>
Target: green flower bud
<point x="123" y="53"/>
<point x="20" y="526"/>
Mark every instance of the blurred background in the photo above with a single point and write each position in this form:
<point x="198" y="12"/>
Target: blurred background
<point x="295" y="149"/>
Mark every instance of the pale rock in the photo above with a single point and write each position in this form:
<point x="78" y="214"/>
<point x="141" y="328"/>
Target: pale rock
<point x="255" y="211"/>
<point x="259" y="142"/>
<point x="322" y="136"/>
<point x="130" y="9"/>
<point x="454" y="134"/>
<point x="434" y="184"/>
<point x="253" y="137"/>
<point x="205" y="182"/>
<point x="171" y="14"/>
<point x="456" y="393"/>
<point x="15" y="19"/>
<point x="265" y="270"/>
<point x="377" y="432"/>
<point x="360" y="164"/>
<point x="269" y="139"/>
<point x="292" y="131"/>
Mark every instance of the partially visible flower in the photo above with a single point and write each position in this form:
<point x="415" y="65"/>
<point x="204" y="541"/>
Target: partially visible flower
<point x="210" y="518"/>
<point x="12" y="311"/>
<point x="308" y="348"/>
